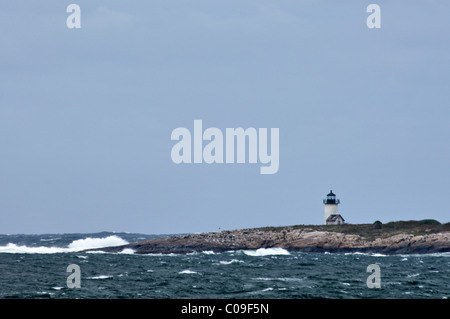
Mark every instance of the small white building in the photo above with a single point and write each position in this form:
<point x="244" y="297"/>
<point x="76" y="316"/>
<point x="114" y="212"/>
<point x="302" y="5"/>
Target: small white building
<point x="335" y="220"/>
<point x="332" y="216"/>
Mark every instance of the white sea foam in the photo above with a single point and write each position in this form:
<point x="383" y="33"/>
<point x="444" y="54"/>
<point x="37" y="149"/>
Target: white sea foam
<point x="223" y="262"/>
<point x="187" y="271"/>
<point x="266" y="252"/>
<point x="76" y="245"/>
<point x="367" y="254"/>
<point x="356" y="253"/>
<point x="208" y="252"/>
<point x="260" y="291"/>
<point x="127" y="251"/>
<point x="278" y="279"/>
<point x="90" y="243"/>
<point x="100" y="277"/>
<point x="16" y="249"/>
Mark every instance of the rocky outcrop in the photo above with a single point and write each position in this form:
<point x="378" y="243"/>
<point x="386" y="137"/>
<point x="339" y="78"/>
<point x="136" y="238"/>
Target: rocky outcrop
<point x="293" y="239"/>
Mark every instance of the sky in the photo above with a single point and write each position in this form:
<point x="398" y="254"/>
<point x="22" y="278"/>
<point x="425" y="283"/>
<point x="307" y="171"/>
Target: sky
<point x="86" y="114"/>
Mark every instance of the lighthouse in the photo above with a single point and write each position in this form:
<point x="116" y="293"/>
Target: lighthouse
<point x="331" y="210"/>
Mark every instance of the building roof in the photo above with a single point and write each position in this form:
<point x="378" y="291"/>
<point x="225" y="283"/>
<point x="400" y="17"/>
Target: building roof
<point x="334" y="217"/>
<point x="331" y="193"/>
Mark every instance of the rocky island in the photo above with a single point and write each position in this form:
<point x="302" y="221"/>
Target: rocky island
<point x="401" y="237"/>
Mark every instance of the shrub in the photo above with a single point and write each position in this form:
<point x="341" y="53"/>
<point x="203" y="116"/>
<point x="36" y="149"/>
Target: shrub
<point x="429" y="222"/>
<point x="377" y="224"/>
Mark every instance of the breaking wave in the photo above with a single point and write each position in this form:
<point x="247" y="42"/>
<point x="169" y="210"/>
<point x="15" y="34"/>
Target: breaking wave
<point x="75" y="246"/>
<point x="266" y="252"/>
<point x="366" y="254"/>
<point x="223" y="262"/>
<point x="100" y="277"/>
<point x="187" y="271"/>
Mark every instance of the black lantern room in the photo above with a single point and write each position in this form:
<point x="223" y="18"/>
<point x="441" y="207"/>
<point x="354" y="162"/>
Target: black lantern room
<point x="331" y="199"/>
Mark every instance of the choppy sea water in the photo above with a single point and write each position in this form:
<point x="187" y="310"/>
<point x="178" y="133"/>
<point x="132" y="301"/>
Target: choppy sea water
<point x="34" y="266"/>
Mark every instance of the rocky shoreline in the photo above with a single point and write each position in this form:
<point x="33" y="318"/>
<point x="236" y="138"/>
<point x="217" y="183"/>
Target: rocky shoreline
<point x="410" y="237"/>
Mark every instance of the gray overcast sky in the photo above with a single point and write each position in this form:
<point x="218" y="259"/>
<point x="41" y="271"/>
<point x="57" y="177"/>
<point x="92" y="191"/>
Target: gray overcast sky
<point x="86" y="114"/>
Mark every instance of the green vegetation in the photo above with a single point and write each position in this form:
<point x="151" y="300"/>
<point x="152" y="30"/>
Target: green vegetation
<point x="377" y="224"/>
<point x="369" y="231"/>
<point x="429" y="222"/>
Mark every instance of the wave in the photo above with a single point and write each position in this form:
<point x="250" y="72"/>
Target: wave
<point x="16" y="249"/>
<point x="266" y="252"/>
<point x="222" y="262"/>
<point x="74" y="246"/>
<point x="127" y="251"/>
<point x="100" y="277"/>
<point x="90" y="243"/>
<point x="260" y="291"/>
<point x="367" y="254"/>
<point x="278" y="279"/>
<point x="187" y="271"/>
<point x="50" y="239"/>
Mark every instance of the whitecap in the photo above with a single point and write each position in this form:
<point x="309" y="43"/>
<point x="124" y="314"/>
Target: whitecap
<point x="223" y="262"/>
<point x="100" y="277"/>
<point x="127" y="251"/>
<point x="75" y="246"/>
<point x="91" y="243"/>
<point x="187" y="271"/>
<point x="366" y="254"/>
<point x="16" y="249"/>
<point x="96" y="252"/>
<point x="357" y="253"/>
<point x="266" y="252"/>
<point x="208" y="252"/>
<point x="278" y="279"/>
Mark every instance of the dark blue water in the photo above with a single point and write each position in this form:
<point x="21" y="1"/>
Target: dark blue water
<point x="34" y="266"/>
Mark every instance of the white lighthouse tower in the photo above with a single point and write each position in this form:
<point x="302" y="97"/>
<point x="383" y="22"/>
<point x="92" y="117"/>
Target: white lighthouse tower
<point x="331" y="209"/>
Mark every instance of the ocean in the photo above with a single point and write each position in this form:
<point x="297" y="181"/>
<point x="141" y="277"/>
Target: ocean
<point x="35" y="266"/>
